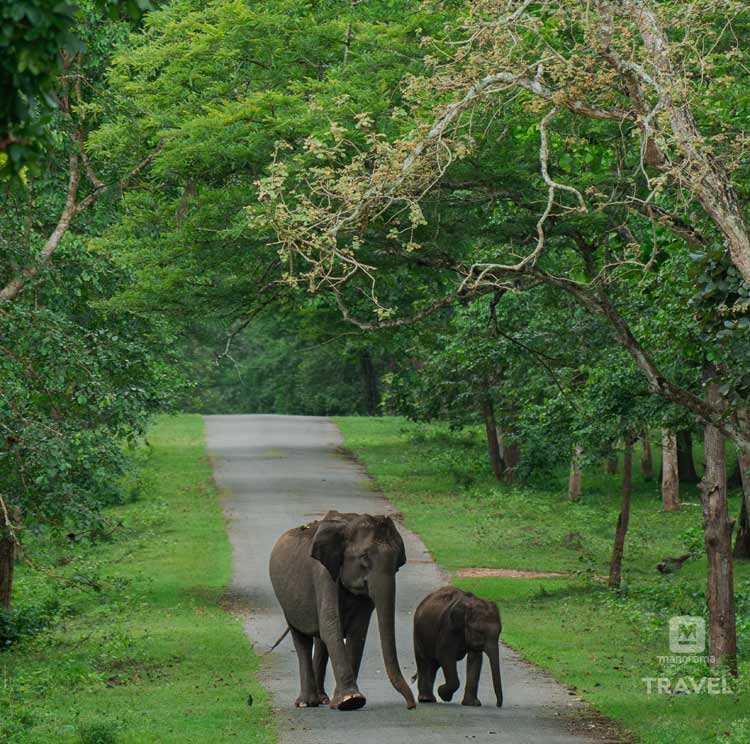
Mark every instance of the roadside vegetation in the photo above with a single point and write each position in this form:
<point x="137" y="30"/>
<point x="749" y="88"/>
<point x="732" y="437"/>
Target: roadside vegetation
<point x="528" y="217"/>
<point x="602" y="642"/>
<point x="142" y="651"/>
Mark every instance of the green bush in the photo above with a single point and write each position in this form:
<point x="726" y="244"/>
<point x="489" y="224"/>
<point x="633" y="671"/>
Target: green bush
<point x="739" y="732"/>
<point x="25" y="621"/>
<point x="98" y="732"/>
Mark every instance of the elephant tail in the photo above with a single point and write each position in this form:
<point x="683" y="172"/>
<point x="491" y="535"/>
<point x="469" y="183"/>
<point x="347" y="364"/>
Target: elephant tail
<point x="414" y="676"/>
<point x="281" y="638"/>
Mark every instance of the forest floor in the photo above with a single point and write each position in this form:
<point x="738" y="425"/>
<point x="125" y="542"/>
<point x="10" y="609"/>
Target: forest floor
<point x="151" y="656"/>
<point x="604" y="643"/>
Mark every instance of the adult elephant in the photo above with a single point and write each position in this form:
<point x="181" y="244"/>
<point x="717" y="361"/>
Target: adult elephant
<point x="328" y="577"/>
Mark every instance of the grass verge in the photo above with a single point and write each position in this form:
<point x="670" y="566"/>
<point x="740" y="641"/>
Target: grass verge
<point x="603" y="643"/>
<point x="152" y="657"/>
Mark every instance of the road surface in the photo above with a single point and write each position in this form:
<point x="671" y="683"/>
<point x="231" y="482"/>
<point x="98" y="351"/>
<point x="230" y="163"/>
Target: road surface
<point x="278" y="472"/>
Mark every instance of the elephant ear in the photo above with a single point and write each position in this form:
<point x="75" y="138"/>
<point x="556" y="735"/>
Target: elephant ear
<point x="398" y="540"/>
<point x="457" y="615"/>
<point x="328" y="545"/>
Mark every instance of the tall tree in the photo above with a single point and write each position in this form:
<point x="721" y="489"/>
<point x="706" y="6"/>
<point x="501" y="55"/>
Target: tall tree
<point x="670" y="481"/>
<point x="635" y="155"/>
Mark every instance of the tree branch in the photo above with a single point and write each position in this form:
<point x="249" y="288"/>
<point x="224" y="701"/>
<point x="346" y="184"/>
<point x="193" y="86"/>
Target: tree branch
<point x="14" y="287"/>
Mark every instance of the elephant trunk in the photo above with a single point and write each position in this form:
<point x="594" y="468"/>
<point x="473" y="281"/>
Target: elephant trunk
<point x="493" y="654"/>
<point x="383" y="594"/>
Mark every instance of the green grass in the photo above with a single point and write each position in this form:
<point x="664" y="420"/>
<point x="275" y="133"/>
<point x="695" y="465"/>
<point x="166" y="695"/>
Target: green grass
<point x="152" y="657"/>
<point x="602" y="642"/>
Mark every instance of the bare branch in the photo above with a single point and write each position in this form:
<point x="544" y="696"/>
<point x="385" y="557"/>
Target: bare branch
<point x="14" y="287"/>
<point x="421" y="315"/>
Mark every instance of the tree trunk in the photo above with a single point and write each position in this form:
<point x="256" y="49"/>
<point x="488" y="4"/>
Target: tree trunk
<point x="370" y="381"/>
<point x="717" y="531"/>
<point x="7" y="561"/>
<point x="714" y="189"/>
<point x="511" y="458"/>
<point x="735" y="479"/>
<point x="670" y="482"/>
<point x="742" y="541"/>
<point x="615" y="563"/>
<point x="741" y="550"/>
<point x="493" y="446"/>
<point x="685" y="463"/>
<point x="647" y="463"/>
<point x="574" y="481"/>
<point x="612" y="465"/>
<point x="500" y="441"/>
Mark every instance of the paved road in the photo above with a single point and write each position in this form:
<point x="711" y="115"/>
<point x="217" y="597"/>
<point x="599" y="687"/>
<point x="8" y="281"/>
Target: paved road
<point x="279" y="472"/>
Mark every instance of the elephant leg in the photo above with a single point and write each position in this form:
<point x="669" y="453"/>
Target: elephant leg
<point x="473" y="669"/>
<point x="347" y="695"/>
<point x="426" y="669"/>
<point x="356" y="634"/>
<point x="451" y="684"/>
<point x="320" y="662"/>
<point x="303" y="644"/>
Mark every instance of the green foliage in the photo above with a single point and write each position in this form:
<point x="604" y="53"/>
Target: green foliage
<point x="79" y="381"/>
<point x="209" y="89"/>
<point x="738" y="733"/>
<point x="79" y="385"/>
<point x="153" y="643"/>
<point x="600" y="642"/>
<point x="26" y="621"/>
<point x="33" y="35"/>
<point x="283" y="363"/>
<point x="100" y="732"/>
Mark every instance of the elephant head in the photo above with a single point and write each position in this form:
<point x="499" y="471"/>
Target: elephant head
<point x="364" y="553"/>
<point x="481" y="624"/>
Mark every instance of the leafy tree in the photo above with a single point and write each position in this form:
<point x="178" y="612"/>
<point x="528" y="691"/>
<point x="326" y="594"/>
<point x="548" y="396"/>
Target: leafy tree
<point x="294" y="360"/>
<point x="38" y="38"/>
<point x="78" y="381"/>
<point x="637" y="159"/>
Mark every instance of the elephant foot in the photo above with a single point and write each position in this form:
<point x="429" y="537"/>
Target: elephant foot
<point x="473" y="702"/>
<point x="445" y="693"/>
<point x="323" y="698"/>
<point x="427" y="698"/>
<point x="307" y="701"/>
<point x="349" y="701"/>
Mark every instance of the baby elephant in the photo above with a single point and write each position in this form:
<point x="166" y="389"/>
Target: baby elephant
<point x="448" y="625"/>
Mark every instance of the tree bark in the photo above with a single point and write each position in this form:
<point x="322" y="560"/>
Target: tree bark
<point x="717" y="531"/>
<point x="493" y="446"/>
<point x="615" y="563"/>
<point x="735" y="479"/>
<point x="7" y="562"/>
<point x="742" y="541"/>
<point x="370" y="383"/>
<point x="647" y="462"/>
<point x="511" y="458"/>
<point x="670" y="482"/>
<point x="685" y="462"/>
<point x="500" y="441"/>
<point x="574" y="481"/>
<point x="741" y="550"/>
